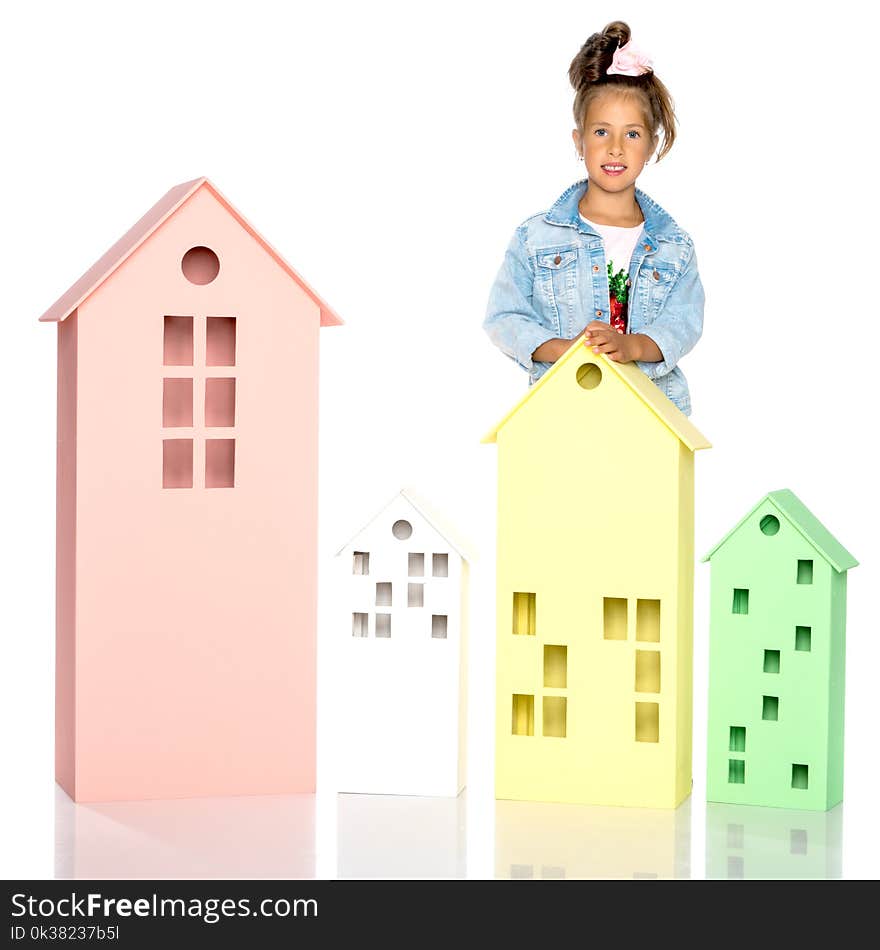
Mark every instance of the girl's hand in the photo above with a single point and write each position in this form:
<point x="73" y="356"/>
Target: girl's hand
<point x="615" y="344"/>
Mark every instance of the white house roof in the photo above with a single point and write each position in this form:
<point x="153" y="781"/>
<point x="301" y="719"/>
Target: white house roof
<point x="423" y="509"/>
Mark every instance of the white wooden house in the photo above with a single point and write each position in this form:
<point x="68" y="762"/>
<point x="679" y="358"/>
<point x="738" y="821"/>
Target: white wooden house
<point x="401" y="655"/>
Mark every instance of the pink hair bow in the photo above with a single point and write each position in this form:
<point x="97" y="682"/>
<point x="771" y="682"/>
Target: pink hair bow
<point x="629" y="61"/>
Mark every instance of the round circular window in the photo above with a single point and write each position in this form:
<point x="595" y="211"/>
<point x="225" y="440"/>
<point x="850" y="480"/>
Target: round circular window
<point x="589" y="376"/>
<point x="401" y="530"/>
<point x="769" y="524"/>
<point x="200" y="265"/>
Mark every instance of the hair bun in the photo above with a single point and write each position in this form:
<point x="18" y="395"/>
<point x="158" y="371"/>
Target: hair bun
<point x="595" y="56"/>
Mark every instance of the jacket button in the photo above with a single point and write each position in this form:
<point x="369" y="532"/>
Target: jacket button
<point x="656" y="275"/>
<point x="598" y="313"/>
<point x="647" y="247"/>
<point x="595" y="268"/>
<point x="557" y="259"/>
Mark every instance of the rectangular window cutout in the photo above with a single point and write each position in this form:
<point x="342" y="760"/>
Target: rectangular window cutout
<point x="771" y="661"/>
<point x="177" y="346"/>
<point x="523" y="715"/>
<point x="439" y="625"/>
<point x="736" y="772"/>
<point x="802" y="639"/>
<point x="645" y="876"/>
<point x="647" y="722"/>
<point x="360" y="563"/>
<point x="524" y="612"/>
<point x="417" y="565"/>
<point x="220" y="401"/>
<point x="554" y="716"/>
<point x="615" y="618"/>
<point x="177" y="463"/>
<point x="735" y="867"/>
<point x="647" y="671"/>
<point x="383" y="594"/>
<point x="177" y="402"/>
<point x="415" y="595"/>
<point x="800" y="776"/>
<point x="521" y="872"/>
<point x="798" y="841"/>
<point x="740" y="601"/>
<point x="440" y="565"/>
<point x="737" y="739"/>
<point x="219" y="463"/>
<point x="770" y="708"/>
<point x="221" y="341"/>
<point x="648" y="621"/>
<point x="358" y="625"/>
<point x="736" y="836"/>
<point x="383" y="625"/>
<point x="556" y="666"/>
<point x="805" y="572"/>
<point x="552" y="873"/>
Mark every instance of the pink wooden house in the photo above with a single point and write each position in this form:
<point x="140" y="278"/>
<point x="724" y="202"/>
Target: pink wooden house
<point x="187" y="512"/>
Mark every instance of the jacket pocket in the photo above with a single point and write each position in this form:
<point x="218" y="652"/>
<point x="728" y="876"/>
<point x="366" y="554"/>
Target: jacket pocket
<point x="556" y="282"/>
<point x="655" y="280"/>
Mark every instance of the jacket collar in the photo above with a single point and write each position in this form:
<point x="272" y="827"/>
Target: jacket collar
<point x="659" y="225"/>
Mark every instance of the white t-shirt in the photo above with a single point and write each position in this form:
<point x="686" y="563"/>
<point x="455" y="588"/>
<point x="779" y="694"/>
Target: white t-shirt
<point x="619" y="246"/>
<point x="619" y="243"/>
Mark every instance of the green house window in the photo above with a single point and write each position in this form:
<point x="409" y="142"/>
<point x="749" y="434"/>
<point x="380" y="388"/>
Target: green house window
<point x="800" y="776"/>
<point x="802" y="639"/>
<point x="740" y="601"/>
<point x="805" y="572"/>
<point x="736" y="771"/>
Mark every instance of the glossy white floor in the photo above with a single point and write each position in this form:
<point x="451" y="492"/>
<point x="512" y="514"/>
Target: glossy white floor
<point x="374" y="836"/>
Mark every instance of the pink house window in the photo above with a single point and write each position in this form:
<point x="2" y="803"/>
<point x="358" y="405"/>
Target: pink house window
<point x="197" y="402"/>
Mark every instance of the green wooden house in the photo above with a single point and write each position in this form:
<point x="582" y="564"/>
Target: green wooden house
<point x="777" y="648"/>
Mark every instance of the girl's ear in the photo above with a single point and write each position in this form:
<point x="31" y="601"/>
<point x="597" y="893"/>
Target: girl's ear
<point x="577" y="138"/>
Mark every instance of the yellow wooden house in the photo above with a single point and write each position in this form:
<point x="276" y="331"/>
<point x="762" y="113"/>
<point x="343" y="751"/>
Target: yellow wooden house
<point x="595" y="570"/>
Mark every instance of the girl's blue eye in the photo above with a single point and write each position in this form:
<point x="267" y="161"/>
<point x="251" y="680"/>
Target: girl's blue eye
<point x="631" y="132"/>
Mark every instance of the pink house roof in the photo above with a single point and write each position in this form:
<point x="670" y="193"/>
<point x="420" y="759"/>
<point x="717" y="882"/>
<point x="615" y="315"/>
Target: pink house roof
<point x="141" y="231"/>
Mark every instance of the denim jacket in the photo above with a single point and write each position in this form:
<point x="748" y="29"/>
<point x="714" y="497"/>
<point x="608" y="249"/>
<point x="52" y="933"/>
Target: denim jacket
<point x="554" y="281"/>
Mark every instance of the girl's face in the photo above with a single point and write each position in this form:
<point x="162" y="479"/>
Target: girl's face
<point x="616" y="144"/>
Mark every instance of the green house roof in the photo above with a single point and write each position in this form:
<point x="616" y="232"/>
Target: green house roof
<point x="803" y="520"/>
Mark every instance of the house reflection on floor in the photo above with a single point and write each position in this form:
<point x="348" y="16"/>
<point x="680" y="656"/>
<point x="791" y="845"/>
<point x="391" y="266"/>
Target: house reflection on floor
<point x="751" y="842"/>
<point x="260" y="836"/>
<point x="547" y="840"/>
<point x="400" y="837"/>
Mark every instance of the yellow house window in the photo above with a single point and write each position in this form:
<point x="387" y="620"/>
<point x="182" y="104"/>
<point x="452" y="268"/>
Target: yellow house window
<point x="647" y="722"/>
<point x="614" y="610"/>
<point x="648" y="621"/>
<point x="524" y="614"/>
<point x="554" y="716"/>
<point x="523" y="714"/>
<point x="556" y="666"/>
<point x="647" y="671"/>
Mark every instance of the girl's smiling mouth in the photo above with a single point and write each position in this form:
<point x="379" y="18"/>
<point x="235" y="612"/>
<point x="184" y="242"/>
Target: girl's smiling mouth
<point x="614" y="169"/>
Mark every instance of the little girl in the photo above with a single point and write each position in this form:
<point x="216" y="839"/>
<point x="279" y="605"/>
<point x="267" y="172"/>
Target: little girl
<point x="606" y="262"/>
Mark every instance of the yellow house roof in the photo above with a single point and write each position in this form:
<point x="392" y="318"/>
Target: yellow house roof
<point x="665" y="410"/>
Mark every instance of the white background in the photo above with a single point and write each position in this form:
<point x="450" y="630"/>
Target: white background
<point x="388" y="150"/>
